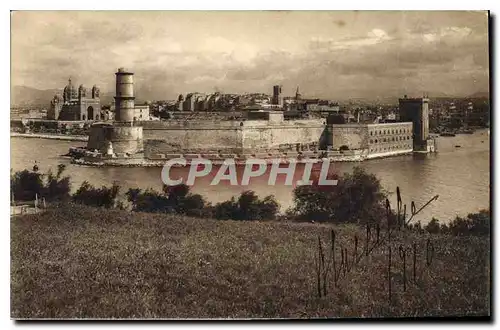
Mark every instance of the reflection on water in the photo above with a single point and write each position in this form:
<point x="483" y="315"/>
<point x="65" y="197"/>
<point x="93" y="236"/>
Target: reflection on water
<point x="459" y="175"/>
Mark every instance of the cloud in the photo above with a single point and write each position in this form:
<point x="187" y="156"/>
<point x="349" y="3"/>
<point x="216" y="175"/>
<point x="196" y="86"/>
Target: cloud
<point x="333" y="55"/>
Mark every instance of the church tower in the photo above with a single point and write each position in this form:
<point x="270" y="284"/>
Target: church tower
<point x="298" y="97"/>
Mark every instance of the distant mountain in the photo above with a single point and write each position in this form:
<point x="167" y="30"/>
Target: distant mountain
<point x="23" y="96"/>
<point x="29" y="96"/>
<point x="479" y="95"/>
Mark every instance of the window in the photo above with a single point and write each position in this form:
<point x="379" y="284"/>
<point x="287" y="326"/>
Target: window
<point x="384" y="131"/>
<point x="376" y="141"/>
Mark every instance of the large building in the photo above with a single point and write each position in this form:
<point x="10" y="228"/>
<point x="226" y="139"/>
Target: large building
<point x="277" y="99"/>
<point x="372" y="140"/>
<point x="416" y="110"/>
<point x="76" y="104"/>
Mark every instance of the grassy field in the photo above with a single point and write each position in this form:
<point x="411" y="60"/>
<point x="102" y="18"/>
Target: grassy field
<point x="83" y="262"/>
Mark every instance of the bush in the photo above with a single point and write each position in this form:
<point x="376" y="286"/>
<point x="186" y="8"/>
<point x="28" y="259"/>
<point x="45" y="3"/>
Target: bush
<point x="99" y="197"/>
<point x="148" y="201"/>
<point x="175" y="199"/>
<point x="357" y="197"/>
<point x="57" y="188"/>
<point x="25" y="185"/>
<point x="248" y="207"/>
<point x="477" y="224"/>
<point x="433" y="226"/>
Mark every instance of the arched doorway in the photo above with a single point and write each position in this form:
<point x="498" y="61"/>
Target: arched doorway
<point x="90" y="113"/>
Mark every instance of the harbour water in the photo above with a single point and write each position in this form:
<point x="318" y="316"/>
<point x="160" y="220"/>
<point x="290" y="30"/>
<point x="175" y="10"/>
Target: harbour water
<point x="459" y="175"/>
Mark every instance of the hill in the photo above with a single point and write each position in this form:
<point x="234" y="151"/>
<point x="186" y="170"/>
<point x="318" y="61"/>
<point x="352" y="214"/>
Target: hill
<point x="75" y="262"/>
<point x="480" y="95"/>
<point x="23" y="96"/>
<point x="28" y="96"/>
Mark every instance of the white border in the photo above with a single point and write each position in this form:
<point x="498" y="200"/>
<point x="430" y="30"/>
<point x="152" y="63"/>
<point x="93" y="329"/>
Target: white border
<point x="191" y="5"/>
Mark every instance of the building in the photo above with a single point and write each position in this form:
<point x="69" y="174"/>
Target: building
<point x="141" y="112"/>
<point x="416" y="110"/>
<point x="120" y="139"/>
<point x="277" y="99"/>
<point x="372" y="140"/>
<point x="298" y="96"/>
<point x="193" y="102"/>
<point x="76" y="104"/>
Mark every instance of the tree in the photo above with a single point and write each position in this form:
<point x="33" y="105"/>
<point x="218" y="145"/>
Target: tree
<point x="99" y="197"/>
<point x="58" y="188"/>
<point x="25" y="185"/>
<point x="433" y="226"/>
<point x="175" y="199"/>
<point x="357" y="197"/>
<point x="248" y="207"/>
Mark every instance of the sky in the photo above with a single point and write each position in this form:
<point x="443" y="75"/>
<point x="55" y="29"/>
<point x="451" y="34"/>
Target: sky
<point x="329" y="54"/>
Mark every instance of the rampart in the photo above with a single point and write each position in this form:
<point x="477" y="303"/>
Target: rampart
<point x="230" y="137"/>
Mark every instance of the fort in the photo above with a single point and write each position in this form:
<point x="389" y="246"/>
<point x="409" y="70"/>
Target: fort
<point x="261" y="134"/>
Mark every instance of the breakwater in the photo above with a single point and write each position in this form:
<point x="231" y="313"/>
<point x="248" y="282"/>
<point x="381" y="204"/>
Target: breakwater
<point x="50" y="136"/>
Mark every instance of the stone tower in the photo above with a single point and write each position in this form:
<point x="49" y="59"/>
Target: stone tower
<point x="124" y="99"/>
<point x="122" y="138"/>
<point x="416" y="110"/>
<point x="277" y="99"/>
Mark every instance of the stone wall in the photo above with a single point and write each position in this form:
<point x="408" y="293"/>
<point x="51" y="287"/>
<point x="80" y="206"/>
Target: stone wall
<point x="124" y="139"/>
<point x="268" y="136"/>
<point x="250" y="136"/>
<point x="350" y="136"/>
<point x="163" y="137"/>
<point x="378" y="140"/>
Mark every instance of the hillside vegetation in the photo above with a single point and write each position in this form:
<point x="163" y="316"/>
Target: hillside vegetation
<point x="78" y="261"/>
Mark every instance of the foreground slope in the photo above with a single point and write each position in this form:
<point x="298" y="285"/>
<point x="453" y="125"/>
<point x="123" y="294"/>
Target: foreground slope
<point x="88" y="262"/>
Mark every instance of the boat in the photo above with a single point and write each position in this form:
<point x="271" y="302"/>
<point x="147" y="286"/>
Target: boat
<point x="447" y="134"/>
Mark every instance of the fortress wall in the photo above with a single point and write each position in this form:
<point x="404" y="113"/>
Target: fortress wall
<point x="189" y="124"/>
<point x="354" y="136"/>
<point x="236" y="137"/>
<point x="125" y="139"/>
<point x="282" y="136"/>
<point x="192" y="140"/>
<point x="96" y="138"/>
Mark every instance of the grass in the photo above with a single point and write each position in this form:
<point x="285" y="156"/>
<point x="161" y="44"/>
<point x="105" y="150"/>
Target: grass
<point x="83" y="262"/>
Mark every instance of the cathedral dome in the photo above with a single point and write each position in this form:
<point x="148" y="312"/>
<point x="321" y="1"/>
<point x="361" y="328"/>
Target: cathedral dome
<point x="70" y="92"/>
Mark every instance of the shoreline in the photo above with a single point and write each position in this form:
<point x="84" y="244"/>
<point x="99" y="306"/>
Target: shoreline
<point x="138" y="162"/>
<point x="50" y="136"/>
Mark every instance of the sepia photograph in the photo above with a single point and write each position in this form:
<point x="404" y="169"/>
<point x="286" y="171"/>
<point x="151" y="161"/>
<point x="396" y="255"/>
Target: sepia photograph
<point x="242" y="165"/>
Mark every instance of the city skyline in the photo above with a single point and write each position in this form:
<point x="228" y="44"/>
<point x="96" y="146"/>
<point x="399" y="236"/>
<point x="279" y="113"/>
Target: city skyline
<point x="330" y="55"/>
